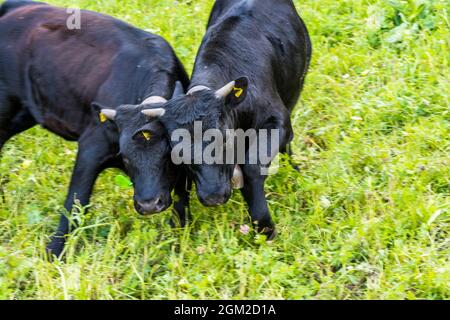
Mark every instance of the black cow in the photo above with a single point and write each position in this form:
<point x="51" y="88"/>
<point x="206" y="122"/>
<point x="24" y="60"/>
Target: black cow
<point x="51" y="75"/>
<point x="265" y="46"/>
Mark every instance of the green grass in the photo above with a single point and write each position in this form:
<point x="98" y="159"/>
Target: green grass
<point x="367" y="217"/>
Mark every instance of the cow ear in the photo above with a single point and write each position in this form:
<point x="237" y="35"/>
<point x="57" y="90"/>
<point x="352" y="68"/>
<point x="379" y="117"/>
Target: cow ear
<point x="104" y="113"/>
<point x="179" y="90"/>
<point x="234" y="92"/>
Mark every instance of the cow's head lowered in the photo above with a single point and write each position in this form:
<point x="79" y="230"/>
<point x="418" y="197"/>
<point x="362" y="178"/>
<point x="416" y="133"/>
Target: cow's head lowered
<point x="145" y="151"/>
<point x="214" y="110"/>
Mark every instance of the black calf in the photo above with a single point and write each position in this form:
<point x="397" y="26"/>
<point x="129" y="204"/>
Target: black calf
<point x="50" y="75"/>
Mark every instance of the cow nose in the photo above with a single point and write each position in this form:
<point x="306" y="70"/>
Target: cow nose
<point x="213" y="200"/>
<point x="150" y="207"/>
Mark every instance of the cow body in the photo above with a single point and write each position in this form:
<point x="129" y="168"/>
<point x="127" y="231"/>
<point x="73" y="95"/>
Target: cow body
<point x="266" y="41"/>
<point x="265" y="45"/>
<point x="50" y="75"/>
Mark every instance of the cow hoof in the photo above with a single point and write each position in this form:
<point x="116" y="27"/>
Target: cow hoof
<point x="270" y="233"/>
<point x="176" y="223"/>
<point x="55" y="248"/>
<point x="52" y="254"/>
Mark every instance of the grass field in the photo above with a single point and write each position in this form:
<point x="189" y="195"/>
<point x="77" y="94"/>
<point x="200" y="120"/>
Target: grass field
<point x="367" y="216"/>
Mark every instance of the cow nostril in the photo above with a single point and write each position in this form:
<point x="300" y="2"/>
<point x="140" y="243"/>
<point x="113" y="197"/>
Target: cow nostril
<point x="159" y="204"/>
<point x="139" y="204"/>
<point x="144" y="206"/>
<point x="214" y="200"/>
<point x="150" y="207"/>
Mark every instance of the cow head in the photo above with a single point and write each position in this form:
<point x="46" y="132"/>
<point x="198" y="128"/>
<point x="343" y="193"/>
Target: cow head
<point x="145" y="151"/>
<point x="214" y="110"/>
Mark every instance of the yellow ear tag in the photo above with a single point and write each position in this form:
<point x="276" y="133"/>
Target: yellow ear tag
<point x="238" y="92"/>
<point x="103" y="118"/>
<point x="147" y="135"/>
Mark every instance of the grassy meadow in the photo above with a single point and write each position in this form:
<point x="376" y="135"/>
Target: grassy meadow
<point x="367" y="216"/>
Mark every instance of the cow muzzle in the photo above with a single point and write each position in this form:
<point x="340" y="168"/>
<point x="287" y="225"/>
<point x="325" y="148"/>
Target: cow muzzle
<point x="146" y="208"/>
<point x="214" y="200"/>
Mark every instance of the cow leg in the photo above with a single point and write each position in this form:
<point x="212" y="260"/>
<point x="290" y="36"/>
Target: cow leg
<point x="93" y="155"/>
<point x="5" y="119"/>
<point x="254" y="178"/>
<point x="12" y="123"/>
<point x="3" y="139"/>
<point x="288" y="151"/>
<point x="254" y="195"/>
<point x="181" y="207"/>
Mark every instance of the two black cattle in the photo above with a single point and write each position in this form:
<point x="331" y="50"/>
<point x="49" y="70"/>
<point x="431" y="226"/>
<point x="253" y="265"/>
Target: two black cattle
<point x="50" y="75"/>
<point x="263" y="45"/>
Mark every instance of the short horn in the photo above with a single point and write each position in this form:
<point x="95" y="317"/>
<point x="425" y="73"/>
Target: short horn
<point x="154" y="100"/>
<point x="154" y="113"/>
<point x="238" y="178"/>
<point x="226" y="90"/>
<point x="109" y="113"/>
<point x="197" y="88"/>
